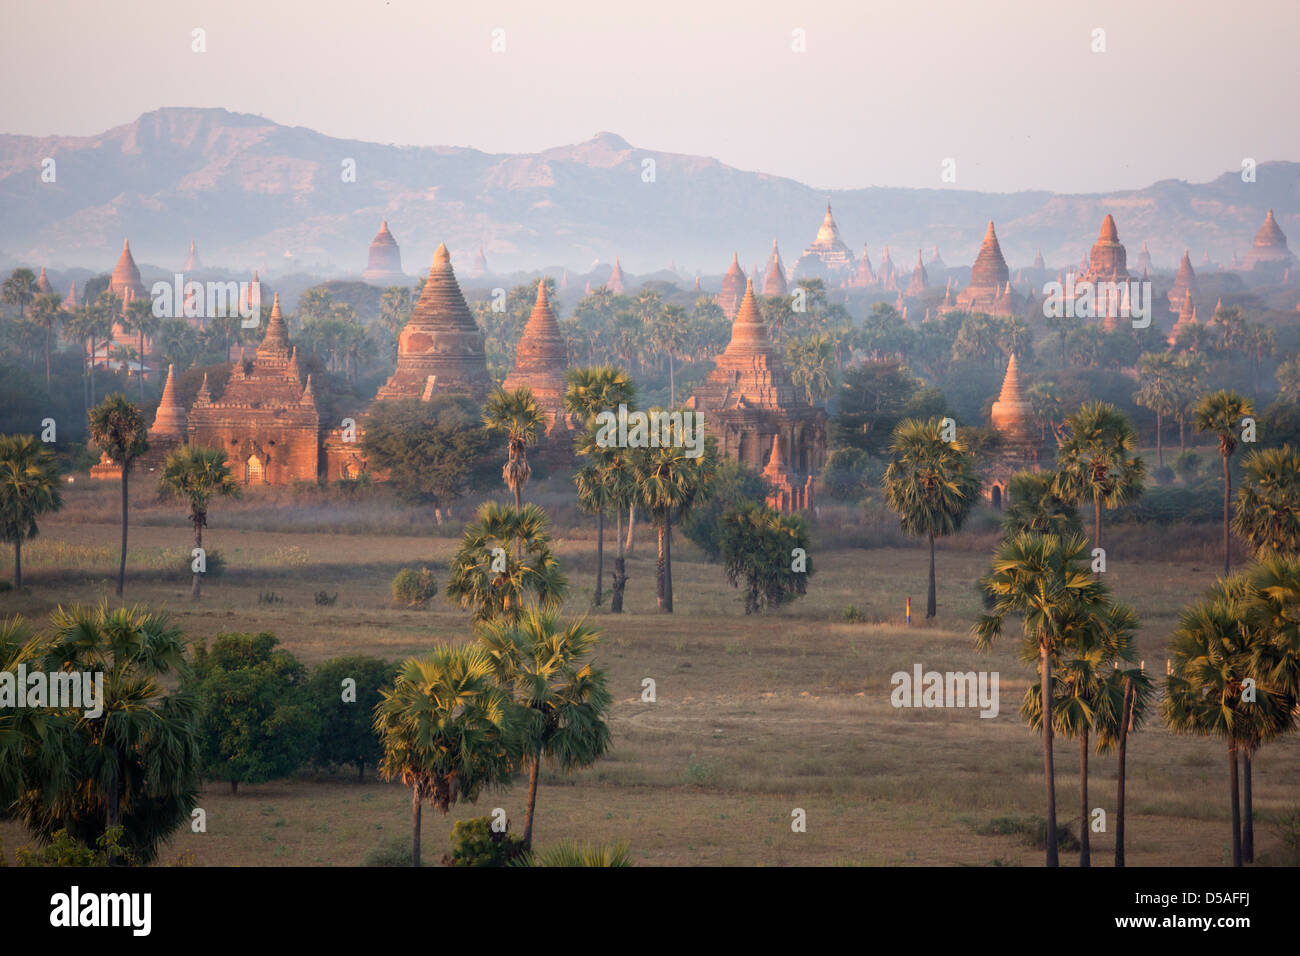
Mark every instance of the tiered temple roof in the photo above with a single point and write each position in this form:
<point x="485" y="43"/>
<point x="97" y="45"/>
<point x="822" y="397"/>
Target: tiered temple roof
<point x="733" y="288"/>
<point x="385" y="263"/>
<point x="441" y="342"/>
<point x="1108" y="260"/>
<point x="170" y="421"/>
<point x="863" y="276"/>
<point x="1270" y="246"/>
<point x="540" y="358"/>
<point x="1184" y="283"/>
<point x="1186" y="316"/>
<point x="480" y="267"/>
<point x="919" y="278"/>
<point x="936" y="261"/>
<point x="192" y="261"/>
<point x="615" y="282"/>
<point x="43" y="283"/>
<point x="126" y="277"/>
<point x="1012" y="414"/>
<point x="774" y="283"/>
<point x="990" y="280"/>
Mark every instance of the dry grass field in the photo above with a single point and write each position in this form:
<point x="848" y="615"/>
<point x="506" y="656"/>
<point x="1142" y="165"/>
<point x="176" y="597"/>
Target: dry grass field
<point x="755" y="716"/>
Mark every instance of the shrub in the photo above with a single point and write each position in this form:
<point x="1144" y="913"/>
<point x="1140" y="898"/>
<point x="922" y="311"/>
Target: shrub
<point x="852" y="474"/>
<point x="477" y="844"/>
<point x="325" y="599"/>
<point x="65" y="850"/>
<point x="1187" y="465"/>
<point x="853" y="615"/>
<point x="759" y="545"/>
<point x="570" y="855"/>
<point x="414" y="588"/>
<point x="393" y="851"/>
<point x="269" y="597"/>
<point x="1164" y="475"/>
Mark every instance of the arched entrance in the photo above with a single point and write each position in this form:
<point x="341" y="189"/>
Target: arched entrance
<point x="254" y="471"/>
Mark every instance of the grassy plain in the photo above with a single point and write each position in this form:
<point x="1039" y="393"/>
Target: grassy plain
<point x="755" y="716"/>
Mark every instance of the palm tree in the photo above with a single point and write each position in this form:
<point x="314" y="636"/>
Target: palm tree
<point x="1158" y="374"/>
<point x="930" y="484"/>
<point x="568" y="856"/>
<point x="47" y="312"/>
<point x="1034" y="505"/>
<point x="1095" y="461"/>
<point x="669" y="483"/>
<point x="592" y="390"/>
<point x="29" y="487"/>
<point x="19" y="289"/>
<point x="193" y="475"/>
<point x="493" y="583"/>
<point x="545" y="666"/>
<point x="140" y="319"/>
<point x="1213" y="654"/>
<point x="1088" y="695"/>
<point x="1189" y="369"/>
<point x="517" y="416"/>
<point x="118" y="428"/>
<point x="812" y="366"/>
<point x="1267" y="514"/>
<point x="138" y="761"/>
<point x="1113" y="733"/>
<point x="1042" y="579"/>
<point x="447" y="730"/>
<point x="1221" y="412"/>
<point x="33" y="756"/>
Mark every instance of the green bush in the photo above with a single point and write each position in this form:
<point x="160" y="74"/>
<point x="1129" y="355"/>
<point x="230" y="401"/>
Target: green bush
<point x="853" y="615"/>
<point x="394" y="851"/>
<point x="414" y="588"/>
<point x="851" y="474"/>
<point x="325" y="599"/>
<point x="1187" y="465"/>
<point x="734" y="487"/>
<point x="477" y="844"/>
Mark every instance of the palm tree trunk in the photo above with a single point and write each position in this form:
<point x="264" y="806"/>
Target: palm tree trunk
<point x="668" y="563"/>
<point x="47" y="359"/>
<point x="92" y="370"/>
<point x="112" y="805"/>
<point x="142" y="365"/>
<point x="931" y="604"/>
<point x="1160" y="448"/>
<point x="18" y="563"/>
<point x="631" y="527"/>
<point x="1085" y="844"/>
<point x="1096" y="520"/>
<point x="1227" y="495"/>
<point x="1049" y="772"/>
<point x="415" y="826"/>
<point x="533" y="773"/>
<point x="620" y="568"/>
<point x="600" y="557"/>
<point x="198" y="543"/>
<point x="1247" y="811"/>
<point x="1126" y="715"/>
<point x="1236" y="803"/>
<point x="672" y="383"/>
<point x="121" y="568"/>
<point x="1182" y="440"/>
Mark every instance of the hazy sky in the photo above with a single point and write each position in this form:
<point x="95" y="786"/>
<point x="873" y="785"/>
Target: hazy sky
<point x="884" y="93"/>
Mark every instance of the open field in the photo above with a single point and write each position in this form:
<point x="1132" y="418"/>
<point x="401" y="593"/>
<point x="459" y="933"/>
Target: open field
<point x="755" y="716"/>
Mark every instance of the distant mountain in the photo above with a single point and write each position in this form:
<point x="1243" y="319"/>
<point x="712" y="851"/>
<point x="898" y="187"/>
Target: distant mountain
<point x="254" y="193"/>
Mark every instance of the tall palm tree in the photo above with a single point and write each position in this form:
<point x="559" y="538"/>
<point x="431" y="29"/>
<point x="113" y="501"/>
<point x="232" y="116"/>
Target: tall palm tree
<point x="47" y="313"/>
<point x="1189" y="370"/>
<point x="1221" y="413"/>
<point x="931" y="485"/>
<point x="1267" y="512"/>
<point x="29" y="487"/>
<point x="19" y="289"/>
<point x="1213" y="653"/>
<point x="139" y="318"/>
<point x="1158" y="374"/>
<point x="590" y="391"/>
<point x="1034" y="505"/>
<point x="33" y="754"/>
<point x="137" y="763"/>
<point x="1096" y="461"/>
<point x="517" y="416"/>
<point x="1088" y="695"/>
<point x="492" y="582"/>
<point x="194" y="475"/>
<point x="1042" y="579"/>
<point x="669" y="483"/>
<point x="447" y="730"/>
<point x="118" y="429"/>
<point x="547" y="669"/>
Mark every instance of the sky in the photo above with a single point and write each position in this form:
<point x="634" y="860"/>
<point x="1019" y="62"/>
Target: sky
<point x="882" y="94"/>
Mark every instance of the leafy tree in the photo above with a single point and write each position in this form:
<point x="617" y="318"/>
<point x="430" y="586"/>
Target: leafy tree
<point x="669" y="484"/>
<point x="257" y="723"/>
<point x="1221" y="413"/>
<point x="873" y="399"/>
<point x="565" y="702"/>
<point x="414" y="588"/>
<point x="1033" y="505"/>
<point x="193" y="475"/>
<point x="1267" y="515"/>
<point x="1042" y="579"/>
<point x="851" y="474"/>
<point x="433" y="451"/>
<point x="345" y="712"/>
<point x="447" y="730"/>
<point x="758" y="548"/>
<point x="118" y="428"/>
<point x="1096" y="461"/>
<point x="135" y="764"/>
<point x="492" y="582"/>
<point x="29" y="488"/>
<point x="931" y="485"/>
<point x="516" y="415"/>
<point x="476" y="843"/>
<point x="812" y="367"/>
